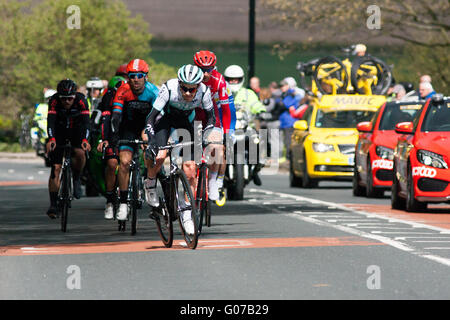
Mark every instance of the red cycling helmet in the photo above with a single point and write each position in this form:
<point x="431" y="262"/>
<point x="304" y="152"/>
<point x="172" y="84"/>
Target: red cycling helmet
<point x="121" y="70"/>
<point x="137" y="65"/>
<point x="205" y="59"/>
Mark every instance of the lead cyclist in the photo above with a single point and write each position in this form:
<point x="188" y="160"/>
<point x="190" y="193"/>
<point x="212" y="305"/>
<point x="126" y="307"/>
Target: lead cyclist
<point x="174" y="108"/>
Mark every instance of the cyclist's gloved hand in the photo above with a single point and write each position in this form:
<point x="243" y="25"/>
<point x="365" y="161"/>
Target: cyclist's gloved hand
<point x="152" y="150"/>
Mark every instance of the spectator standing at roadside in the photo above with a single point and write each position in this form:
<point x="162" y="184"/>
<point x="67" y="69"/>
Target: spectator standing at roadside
<point x="360" y="50"/>
<point x="255" y="85"/>
<point x="270" y="101"/>
<point x="426" y="90"/>
<point x="425" y="78"/>
<point x="291" y="97"/>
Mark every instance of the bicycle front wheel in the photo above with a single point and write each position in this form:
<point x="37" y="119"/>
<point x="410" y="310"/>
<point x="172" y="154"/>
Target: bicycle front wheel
<point x="163" y="217"/>
<point x="64" y="197"/>
<point x="135" y="198"/>
<point x="187" y="211"/>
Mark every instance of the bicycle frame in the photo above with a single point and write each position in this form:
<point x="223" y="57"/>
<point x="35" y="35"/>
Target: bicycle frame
<point x="65" y="196"/>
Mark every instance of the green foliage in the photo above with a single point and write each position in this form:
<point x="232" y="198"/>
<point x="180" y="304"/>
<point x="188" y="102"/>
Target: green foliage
<point x="38" y="49"/>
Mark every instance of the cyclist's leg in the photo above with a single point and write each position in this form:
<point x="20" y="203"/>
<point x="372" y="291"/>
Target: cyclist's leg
<point x="162" y="131"/>
<point x="125" y="158"/>
<point x="110" y="181"/>
<point x="56" y="157"/>
<point x="78" y="161"/>
<point x="214" y="164"/>
<point x="53" y="185"/>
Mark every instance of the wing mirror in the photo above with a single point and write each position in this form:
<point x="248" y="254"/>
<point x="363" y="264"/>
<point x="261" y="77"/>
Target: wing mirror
<point x="365" y="126"/>
<point x="301" y="125"/>
<point x="404" y="128"/>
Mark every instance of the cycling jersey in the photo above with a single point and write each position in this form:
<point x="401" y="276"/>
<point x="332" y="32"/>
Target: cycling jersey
<point x="71" y="124"/>
<point x="177" y="112"/>
<point x="170" y="100"/>
<point x="75" y="117"/>
<point x="131" y="110"/>
<point x="133" y="107"/>
<point x="219" y="94"/>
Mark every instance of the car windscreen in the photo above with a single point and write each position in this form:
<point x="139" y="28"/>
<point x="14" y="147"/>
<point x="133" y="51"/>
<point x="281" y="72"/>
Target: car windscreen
<point x="394" y="113"/>
<point x="437" y="118"/>
<point x="332" y="118"/>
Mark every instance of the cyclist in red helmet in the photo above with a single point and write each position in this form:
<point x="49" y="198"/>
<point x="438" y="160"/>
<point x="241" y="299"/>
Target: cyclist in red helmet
<point x="207" y="60"/>
<point x="122" y="71"/>
<point x="131" y="105"/>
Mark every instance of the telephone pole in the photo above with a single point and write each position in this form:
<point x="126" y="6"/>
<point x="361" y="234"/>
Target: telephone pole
<point x="251" y="41"/>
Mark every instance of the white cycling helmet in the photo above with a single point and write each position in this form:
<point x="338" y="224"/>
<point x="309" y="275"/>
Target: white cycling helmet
<point x="94" y="83"/>
<point x="48" y="93"/>
<point x="234" y="72"/>
<point x="190" y="74"/>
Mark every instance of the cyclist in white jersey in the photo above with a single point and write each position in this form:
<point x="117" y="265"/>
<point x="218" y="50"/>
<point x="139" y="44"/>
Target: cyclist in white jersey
<point x="174" y="108"/>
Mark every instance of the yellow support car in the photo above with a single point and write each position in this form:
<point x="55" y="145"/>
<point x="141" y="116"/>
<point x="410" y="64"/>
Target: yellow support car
<point x="324" y="140"/>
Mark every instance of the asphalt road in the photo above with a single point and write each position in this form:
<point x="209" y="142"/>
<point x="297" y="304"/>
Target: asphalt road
<point x="279" y="244"/>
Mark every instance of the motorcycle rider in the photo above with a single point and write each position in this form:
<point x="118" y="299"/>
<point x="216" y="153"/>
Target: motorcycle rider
<point x="40" y="122"/>
<point x="94" y="88"/>
<point x="244" y="100"/>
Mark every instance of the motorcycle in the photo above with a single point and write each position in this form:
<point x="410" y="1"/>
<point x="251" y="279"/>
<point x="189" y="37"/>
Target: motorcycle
<point x="39" y="138"/>
<point x="243" y="154"/>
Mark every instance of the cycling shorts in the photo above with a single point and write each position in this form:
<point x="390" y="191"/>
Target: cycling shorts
<point x="75" y="135"/>
<point x="184" y="131"/>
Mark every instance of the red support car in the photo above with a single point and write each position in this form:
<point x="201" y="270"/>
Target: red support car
<point x="374" y="152"/>
<point x="421" y="158"/>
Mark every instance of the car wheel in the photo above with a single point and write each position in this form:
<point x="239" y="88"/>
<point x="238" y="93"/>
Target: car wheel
<point x="307" y="181"/>
<point x="294" y="181"/>
<point x="358" y="190"/>
<point x="412" y="205"/>
<point x="396" y="202"/>
<point x="371" y="191"/>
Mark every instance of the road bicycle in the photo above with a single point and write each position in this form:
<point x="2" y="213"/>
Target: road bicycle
<point x="175" y="197"/>
<point x="135" y="186"/>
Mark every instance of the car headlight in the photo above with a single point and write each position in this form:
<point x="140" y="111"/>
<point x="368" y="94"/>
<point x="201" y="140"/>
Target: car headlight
<point x="385" y="153"/>
<point x="322" y="147"/>
<point x="431" y="159"/>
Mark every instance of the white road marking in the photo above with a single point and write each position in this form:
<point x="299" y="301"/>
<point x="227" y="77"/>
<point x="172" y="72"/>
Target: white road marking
<point x="375" y="235"/>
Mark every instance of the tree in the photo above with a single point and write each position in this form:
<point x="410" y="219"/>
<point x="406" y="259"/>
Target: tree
<point x="57" y="39"/>
<point x="422" y="25"/>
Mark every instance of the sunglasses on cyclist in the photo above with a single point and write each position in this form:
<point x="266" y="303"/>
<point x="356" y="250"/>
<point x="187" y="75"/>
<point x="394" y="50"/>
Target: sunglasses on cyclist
<point x="136" y="75"/>
<point x="66" y="98"/>
<point x="207" y="69"/>
<point x="185" y="89"/>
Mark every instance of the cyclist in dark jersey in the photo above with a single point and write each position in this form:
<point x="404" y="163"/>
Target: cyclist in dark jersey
<point x="68" y="118"/>
<point x="111" y="152"/>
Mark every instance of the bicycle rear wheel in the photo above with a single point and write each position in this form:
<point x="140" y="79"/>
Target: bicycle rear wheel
<point x="200" y="199"/>
<point x="185" y="202"/>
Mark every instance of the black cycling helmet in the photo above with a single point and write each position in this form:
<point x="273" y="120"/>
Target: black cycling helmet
<point x="66" y="88"/>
